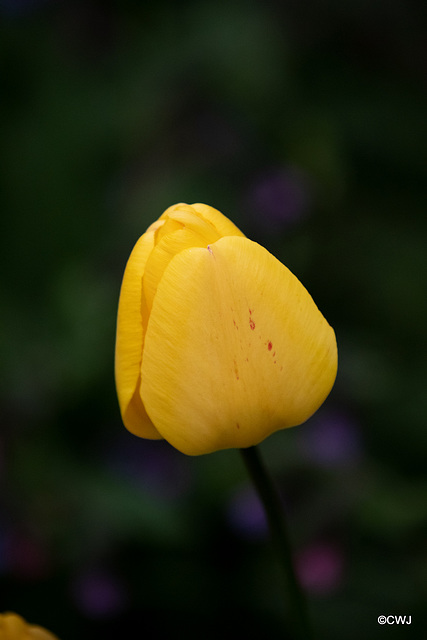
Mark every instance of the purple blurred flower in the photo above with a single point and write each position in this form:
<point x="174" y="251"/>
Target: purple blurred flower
<point x="280" y="198"/>
<point x="331" y="439"/>
<point x="246" y="516"/>
<point x="4" y="550"/>
<point x="320" y="568"/>
<point x="2" y="458"/>
<point x="152" y="465"/>
<point x="99" y="594"/>
<point x="20" y="7"/>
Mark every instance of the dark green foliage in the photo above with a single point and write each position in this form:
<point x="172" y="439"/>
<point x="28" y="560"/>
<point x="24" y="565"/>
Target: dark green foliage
<point x="303" y="123"/>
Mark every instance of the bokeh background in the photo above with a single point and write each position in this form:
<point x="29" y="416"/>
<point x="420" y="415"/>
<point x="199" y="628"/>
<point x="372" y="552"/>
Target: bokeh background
<point x="304" y="122"/>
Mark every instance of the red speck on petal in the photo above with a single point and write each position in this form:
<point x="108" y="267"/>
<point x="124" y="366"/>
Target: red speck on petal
<point x="251" y="324"/>
<point x="236" y="371"/>
<point x="235" y="324"/>
<point x="270" y="346"/>
<point x="237" y="425"/>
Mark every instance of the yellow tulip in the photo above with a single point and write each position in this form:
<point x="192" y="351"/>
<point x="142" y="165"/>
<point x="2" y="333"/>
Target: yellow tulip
<point x="13" y="627"/>
<point x="218" y="343"/>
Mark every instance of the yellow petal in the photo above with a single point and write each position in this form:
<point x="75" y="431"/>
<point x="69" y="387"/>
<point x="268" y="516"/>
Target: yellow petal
<point x="183" y="227"/>
<point x="14" y="627"/>
<point x="168" y="246"/>
<point x="222" y="224"/>
<point x="166" y="213"/>
<point x="188" y="217"/>
<point x="167" y="225"/>
<point x="39" y="633"/>
<point x="132" y="321"/>
<point x="235" y="349"/>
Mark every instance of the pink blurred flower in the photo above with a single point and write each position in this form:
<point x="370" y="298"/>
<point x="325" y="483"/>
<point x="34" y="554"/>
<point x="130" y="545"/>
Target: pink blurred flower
<point x="320" y="568"/>
<point x="246" y="516"/>
<point x="280" y="197"/>
<point x="99" y="594"/>
<point x="332" y="438"/>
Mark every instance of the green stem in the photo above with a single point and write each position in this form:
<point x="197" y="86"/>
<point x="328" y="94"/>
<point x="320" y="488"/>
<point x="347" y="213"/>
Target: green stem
<point x="296" y="607"/>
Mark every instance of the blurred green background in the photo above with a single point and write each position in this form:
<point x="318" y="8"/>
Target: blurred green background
<point x="305" y="123"/>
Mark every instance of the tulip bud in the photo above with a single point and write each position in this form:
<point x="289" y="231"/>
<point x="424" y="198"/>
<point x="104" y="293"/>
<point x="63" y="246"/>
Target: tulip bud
<point x="13" y="627"/>
<point x="218" y="344"/>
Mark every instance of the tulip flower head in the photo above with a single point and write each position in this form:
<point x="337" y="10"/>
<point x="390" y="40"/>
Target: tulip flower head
<point x="13" y="627"/>
<point x="218" y="344"/>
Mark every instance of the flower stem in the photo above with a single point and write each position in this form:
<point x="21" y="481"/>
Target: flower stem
<point x="296" y="607"/>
